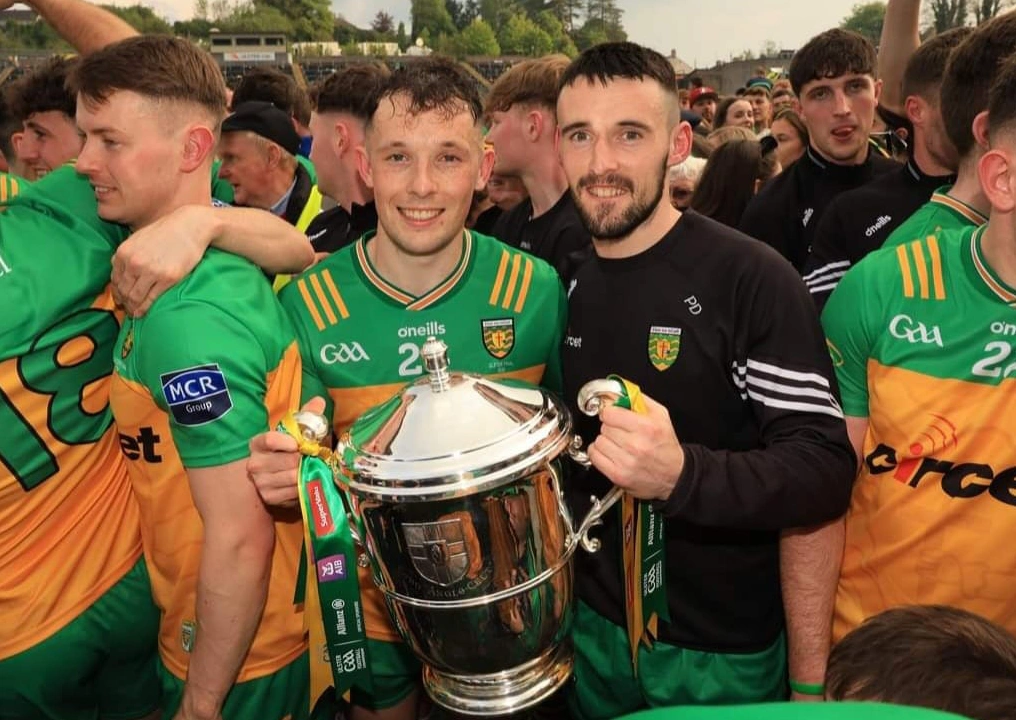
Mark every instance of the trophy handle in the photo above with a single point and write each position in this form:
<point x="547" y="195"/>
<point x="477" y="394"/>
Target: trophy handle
<point x="591" y="399"/>
<point x="316" y="428"/>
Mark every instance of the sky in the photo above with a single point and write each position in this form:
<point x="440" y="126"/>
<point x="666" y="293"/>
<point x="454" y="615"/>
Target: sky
<point x="701" y="31"/>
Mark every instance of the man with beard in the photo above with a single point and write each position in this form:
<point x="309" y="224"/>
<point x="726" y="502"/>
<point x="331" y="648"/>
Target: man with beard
<point x="742" y="435"/>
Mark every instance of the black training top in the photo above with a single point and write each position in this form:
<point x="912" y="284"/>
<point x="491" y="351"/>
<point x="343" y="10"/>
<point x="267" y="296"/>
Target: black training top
<point x="859" y="221"/>
<point x="335" y="228"/>
<point x="554" y="236"/>
<point x="752" y="396"/>
<point x="787" y="210"/>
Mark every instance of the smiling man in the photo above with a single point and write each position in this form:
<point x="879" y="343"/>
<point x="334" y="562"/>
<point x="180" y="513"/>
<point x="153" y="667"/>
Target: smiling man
<point x="833" y="75"/>
<point x="722" y="337"/>
<point x="212" y="363"/>
<point x="362" y="313"/>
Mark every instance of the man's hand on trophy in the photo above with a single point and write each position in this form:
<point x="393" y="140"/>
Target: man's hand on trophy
<point x="639" y="453"/>
<point x="274" y="463"/>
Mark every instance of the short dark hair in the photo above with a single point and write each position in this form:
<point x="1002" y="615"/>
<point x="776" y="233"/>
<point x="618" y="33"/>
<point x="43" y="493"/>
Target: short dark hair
<point x="43" y="90"/>
<point x="432" y="83"/>
<point x="621" y="60"/>
<point x="272" y="85"/>
<point x="352" y="89"/>
<point x="831" y="54"/>
<point x="1002" y="101"/>
<point x="924" y="71"/>
<point x="928" y="656"/>
<point x="160" y="67"/>
<point x="727" y="183"/>
<point x="969" y="75"/>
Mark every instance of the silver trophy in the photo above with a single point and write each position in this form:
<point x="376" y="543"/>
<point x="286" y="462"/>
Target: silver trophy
<point x="457" y="481"/>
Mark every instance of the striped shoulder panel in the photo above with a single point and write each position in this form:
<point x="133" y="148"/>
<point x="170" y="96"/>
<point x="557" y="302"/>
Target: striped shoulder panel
<point x="512" y="281"/>
<point x="921" y="271"/>
<point x="322" y="298"/>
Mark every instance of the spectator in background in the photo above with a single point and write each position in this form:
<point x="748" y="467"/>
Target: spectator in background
<point x="930" y="656"/>
<point x="703" y="101"/>
<point x="10" y="126"/>
<point x="783" y="97"/>
<point x="682" y="97"/>
<point x="343" y="103"/>
<point x="734" y="111"/>
<point x="46" y="109"/>
<point x="682" y="179"/>
<point x="732" y="177"/>
<point x="258" y="151"/>
<point x="758" y="94"/>
<point x="728" y="133"/>
<point x="505" y="191"/>
<point x="791" y="136"/>
<point x="281" y="90"/>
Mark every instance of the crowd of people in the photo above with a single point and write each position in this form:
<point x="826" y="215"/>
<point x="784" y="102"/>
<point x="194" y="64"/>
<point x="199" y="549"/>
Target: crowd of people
<point x="812" y="280"/>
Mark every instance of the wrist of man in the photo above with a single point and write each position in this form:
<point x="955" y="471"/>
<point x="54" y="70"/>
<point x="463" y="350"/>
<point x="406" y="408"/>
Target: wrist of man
<point x="200" y="703"/>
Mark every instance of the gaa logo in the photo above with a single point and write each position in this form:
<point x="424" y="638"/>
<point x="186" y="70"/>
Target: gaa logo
<point x="343" y="353"/>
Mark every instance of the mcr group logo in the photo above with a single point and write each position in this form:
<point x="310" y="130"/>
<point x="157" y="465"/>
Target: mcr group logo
<point x="925" y="462"/>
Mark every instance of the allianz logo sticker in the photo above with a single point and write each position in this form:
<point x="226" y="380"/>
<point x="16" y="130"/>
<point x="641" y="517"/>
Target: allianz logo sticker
<point x="196" y="395"/>
<point x="906" y="328"/>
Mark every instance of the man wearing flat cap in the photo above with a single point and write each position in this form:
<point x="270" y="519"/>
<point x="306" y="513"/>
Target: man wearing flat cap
<point x="258" y="150"/>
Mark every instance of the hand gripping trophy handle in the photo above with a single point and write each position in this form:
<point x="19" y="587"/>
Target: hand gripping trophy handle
<point x="314" y="428"/>
<point x="592" y="397"/>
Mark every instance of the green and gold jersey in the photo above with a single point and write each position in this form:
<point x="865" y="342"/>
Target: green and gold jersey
<point x="941" y="212"/>
<point x="68" y="522"/>
<point x="923" y="337"/>
<point x="213" y="363"/>
<point x="501" y="312"/>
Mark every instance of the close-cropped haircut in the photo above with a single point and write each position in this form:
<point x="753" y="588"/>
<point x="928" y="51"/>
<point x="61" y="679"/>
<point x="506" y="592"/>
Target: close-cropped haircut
<point x="924" y="71"/>
<point x="274" y="86"/>
<point x="43" y="90"/>
<point x="159" y="67"/>
<point x="433" y="83"/>
<point x="831" y="54"/>
<point x="969" y="75"/>
<point x="530" y="82"/>
<point x="621" y="61"/>
<point x="352" y="89"/>
<point x="1002" y="101"/>
<point x="928" y="656"/>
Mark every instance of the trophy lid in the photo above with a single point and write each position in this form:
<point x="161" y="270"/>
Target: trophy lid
<point x="452" y="434"/>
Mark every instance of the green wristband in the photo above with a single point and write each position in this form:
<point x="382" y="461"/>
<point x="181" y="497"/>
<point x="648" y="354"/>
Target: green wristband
<point x="814" y="689"/>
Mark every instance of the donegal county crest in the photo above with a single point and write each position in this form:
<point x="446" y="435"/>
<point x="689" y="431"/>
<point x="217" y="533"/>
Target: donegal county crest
<point x="664" y="344"/>
<point x="499" y="336"/>
<point x="438" y="550"/>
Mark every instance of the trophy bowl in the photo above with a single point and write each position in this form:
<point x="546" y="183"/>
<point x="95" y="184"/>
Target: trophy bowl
<point x="456" y="493"/>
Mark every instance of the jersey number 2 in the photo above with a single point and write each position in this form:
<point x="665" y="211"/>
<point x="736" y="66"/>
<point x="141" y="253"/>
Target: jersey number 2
<point x="45" y="370"/>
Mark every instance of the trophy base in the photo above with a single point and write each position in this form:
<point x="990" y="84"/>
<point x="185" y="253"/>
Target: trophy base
<point x="501" y="693"/>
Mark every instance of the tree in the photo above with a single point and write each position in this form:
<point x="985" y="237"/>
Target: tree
<point x="866" y="19"/>
<point x="431" y="15"/>
<point x="255" y="18"/>
<point x="521" y="36"/>
<point x="200" y="9"/>
<point x="948" y="14"/>
<point x="550" y="24"/>
<point x="309" y="19"/>
<point x="477" y="38"/>
<point x="194" y="29"/>
<point x="985" y="10"/>
<point x="401" y="37"/>
<point x="568" y="12"/>
<point x="383" y="23"/>
<point x="769" y="49"/>
<point x="141" y="18"/>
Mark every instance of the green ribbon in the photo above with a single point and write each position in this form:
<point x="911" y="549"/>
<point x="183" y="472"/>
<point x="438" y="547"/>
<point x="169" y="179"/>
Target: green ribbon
<point x="331" y="562"/>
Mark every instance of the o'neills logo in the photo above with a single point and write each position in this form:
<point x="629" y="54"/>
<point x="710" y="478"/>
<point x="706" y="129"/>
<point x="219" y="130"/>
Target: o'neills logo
<point x="322" y="515"/>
